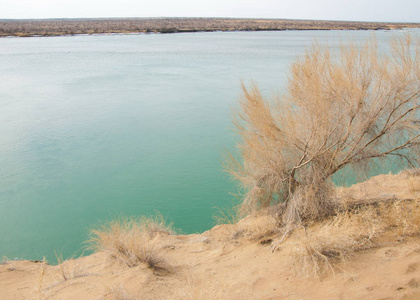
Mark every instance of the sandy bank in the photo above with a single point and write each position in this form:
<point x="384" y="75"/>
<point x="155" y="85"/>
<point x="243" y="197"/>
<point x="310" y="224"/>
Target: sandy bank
<point x="224" y="263"/>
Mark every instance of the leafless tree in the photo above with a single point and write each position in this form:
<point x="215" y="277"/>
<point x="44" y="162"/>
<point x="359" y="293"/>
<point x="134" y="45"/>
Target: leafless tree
<point x="340" y="110"/>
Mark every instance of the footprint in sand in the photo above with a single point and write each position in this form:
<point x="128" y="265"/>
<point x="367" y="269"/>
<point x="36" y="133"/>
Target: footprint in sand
<point x="414" y="283"/>
<point x="412" y="268"/>
<point x="391" y="253"/>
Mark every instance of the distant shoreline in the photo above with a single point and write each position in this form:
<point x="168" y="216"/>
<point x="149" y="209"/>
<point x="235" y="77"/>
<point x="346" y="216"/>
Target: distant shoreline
<point x="61" y="27"/>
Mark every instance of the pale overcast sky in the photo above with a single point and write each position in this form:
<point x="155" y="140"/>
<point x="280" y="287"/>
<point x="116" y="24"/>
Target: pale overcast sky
<point x="357" y="10"/>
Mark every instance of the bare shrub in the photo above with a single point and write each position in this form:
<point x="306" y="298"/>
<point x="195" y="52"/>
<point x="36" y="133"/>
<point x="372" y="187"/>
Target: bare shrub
<point x="340" y="111"/>
<point x="132" y="241"/>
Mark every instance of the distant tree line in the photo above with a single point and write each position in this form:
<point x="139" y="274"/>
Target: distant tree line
<point x="50" y="27"/>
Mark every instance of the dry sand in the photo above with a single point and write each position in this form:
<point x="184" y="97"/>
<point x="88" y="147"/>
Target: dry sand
<point x="215" y="265"/>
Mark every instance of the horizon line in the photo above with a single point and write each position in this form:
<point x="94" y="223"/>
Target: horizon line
<point x="180" y="17"/>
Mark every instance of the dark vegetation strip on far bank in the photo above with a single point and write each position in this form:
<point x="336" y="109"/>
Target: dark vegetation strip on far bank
<point x="51" y="27"/>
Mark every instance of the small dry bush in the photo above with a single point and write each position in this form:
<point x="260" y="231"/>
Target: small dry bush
<point x="132" y="241"/>
<point x="314" y="249"/>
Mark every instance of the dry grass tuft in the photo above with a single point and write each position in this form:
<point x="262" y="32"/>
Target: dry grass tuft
<point x="39" y="295"/>
<point x="314" y="249"/>
<point x="414" y="188"/>
<point x="132" y="241"/>
<point x="226" y="216"/>
<point x="117" y="292"/>
<point x="402" y="216"/>
<point x="413" y="180"/>
<point x="70" y="269"/>
<point x="256" y="227"/>
<point x="411" y="172"/>
<point x="333" y="240"/>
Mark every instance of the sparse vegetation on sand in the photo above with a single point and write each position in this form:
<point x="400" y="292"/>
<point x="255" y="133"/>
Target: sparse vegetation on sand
<point x="316" y="248"/>
<point x="234" y="261"/>
<point x="340" y="112"/>
<point x="51" y="27"/>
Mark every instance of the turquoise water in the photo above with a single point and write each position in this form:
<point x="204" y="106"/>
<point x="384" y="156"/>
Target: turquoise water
<point x="93" y="127"/>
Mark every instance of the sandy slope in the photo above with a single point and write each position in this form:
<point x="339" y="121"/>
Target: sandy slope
<point x="214" y="265"/>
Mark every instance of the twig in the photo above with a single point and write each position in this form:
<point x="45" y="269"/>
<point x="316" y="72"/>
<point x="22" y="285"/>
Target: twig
<point x="283" y="238"/>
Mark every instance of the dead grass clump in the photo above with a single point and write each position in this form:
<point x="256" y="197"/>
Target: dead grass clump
<point x="117" y="292"/>
<point x="314" y="249"/>
<point x="70" y="268"/>
<point x="4" y="260"/>
<point x="413" y="180"/>
<point x="403" y="216"/>
<point x="308" y="202"/>
<point x="414" y="187"/>
<point x="132" y="241"/>
<point x="39" y="294"/>
<point x="226" y="216"/>
<point x="256" y="227"/>
<point x="411" y="172"/>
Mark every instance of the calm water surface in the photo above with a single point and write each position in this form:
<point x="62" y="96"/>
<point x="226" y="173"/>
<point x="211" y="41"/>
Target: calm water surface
<point x="94" y="127"/>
